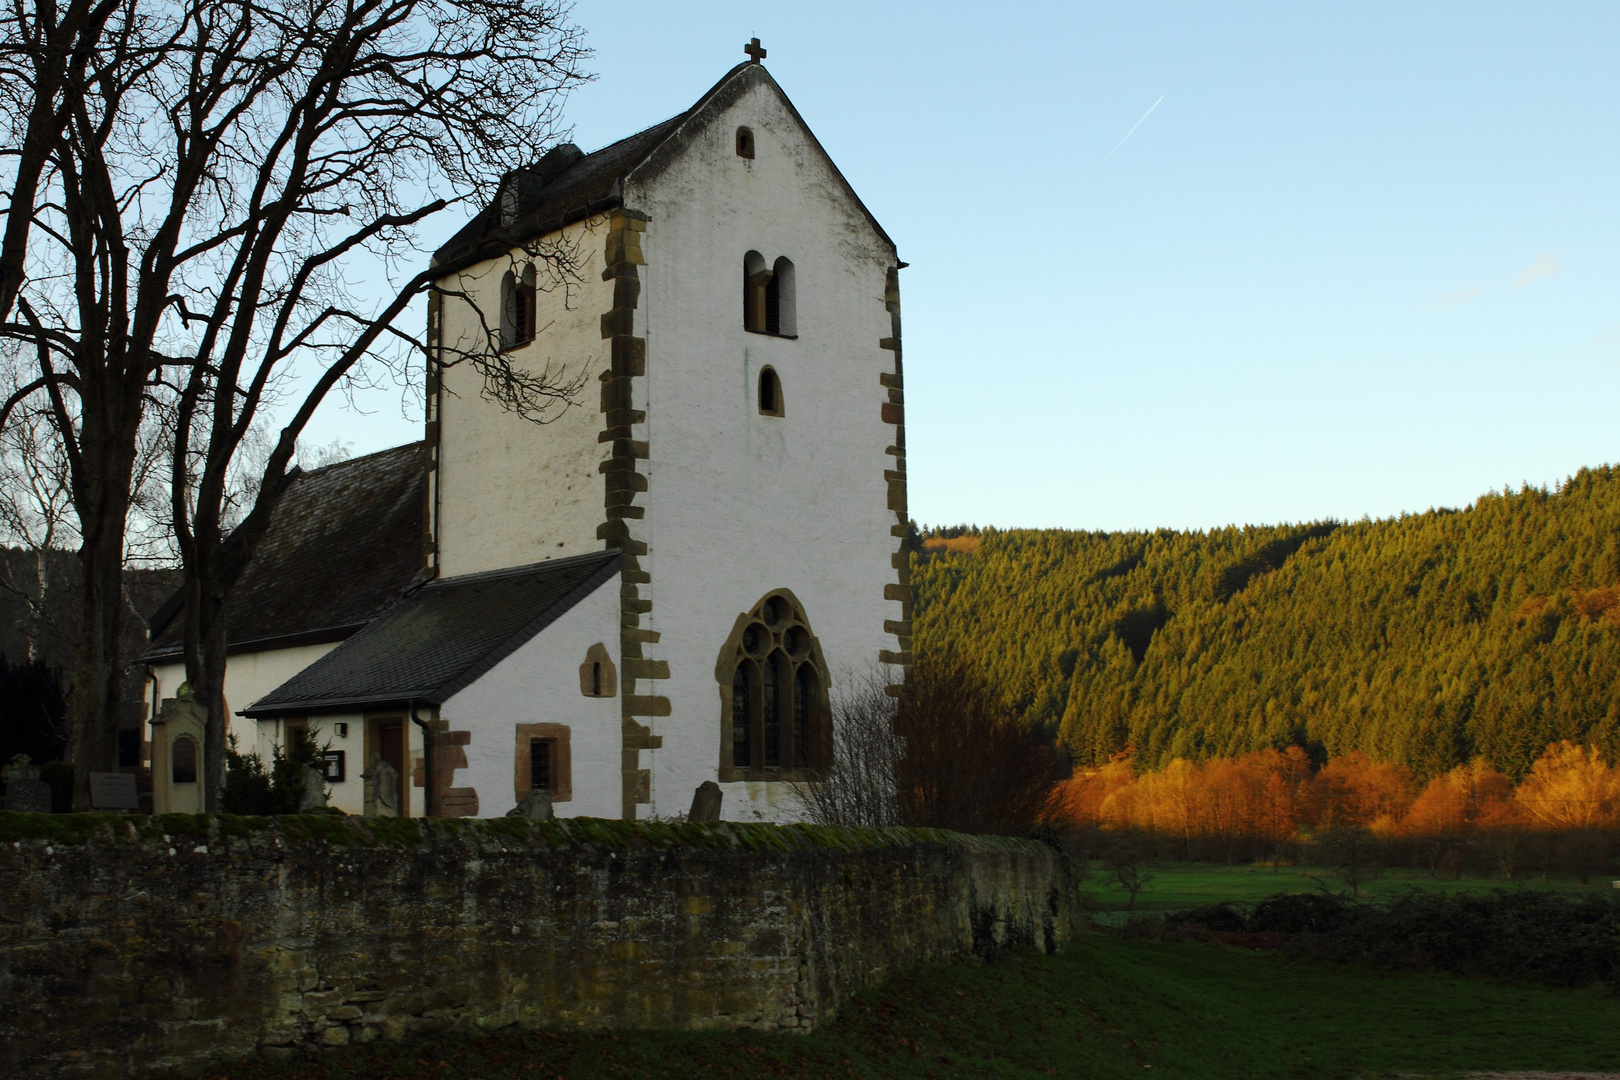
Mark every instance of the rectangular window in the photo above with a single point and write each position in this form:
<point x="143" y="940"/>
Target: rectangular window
<point x="542" y="757"/>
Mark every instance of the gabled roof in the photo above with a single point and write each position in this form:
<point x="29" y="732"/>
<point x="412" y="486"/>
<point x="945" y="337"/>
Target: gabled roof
<point x="439" y="639"/>
<point x="344" y="544"/>
<point x="594" y="183"/>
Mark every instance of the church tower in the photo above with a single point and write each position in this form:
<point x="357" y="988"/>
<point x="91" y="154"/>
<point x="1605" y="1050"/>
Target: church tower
<point x="663" y="575"/>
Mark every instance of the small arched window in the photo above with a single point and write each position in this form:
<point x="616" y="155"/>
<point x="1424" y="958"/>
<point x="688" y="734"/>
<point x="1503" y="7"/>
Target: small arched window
<point x="773" y="695"/>
<point x="769" y="303"/>
<point x="770" y="393"/>
<point x="782" y="320"/>
<point x="745" y="143"/>
<point x="517" y="307"/>
<point x="183" y="761"/>
<point x="755" y="280"/>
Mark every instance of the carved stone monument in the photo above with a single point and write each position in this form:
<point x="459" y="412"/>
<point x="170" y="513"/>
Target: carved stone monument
<point x="706" y="803"/>
<point x="25" y="791"/>
<point x="536" y="806"/>
<point x="382" y="787"/>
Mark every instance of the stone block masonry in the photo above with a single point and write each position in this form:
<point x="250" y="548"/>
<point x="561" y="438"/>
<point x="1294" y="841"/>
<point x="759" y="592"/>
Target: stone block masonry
<point x="131" y="945"/>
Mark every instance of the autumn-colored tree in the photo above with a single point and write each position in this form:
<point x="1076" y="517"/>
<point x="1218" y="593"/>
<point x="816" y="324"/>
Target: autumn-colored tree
<point x="1571" y="787"/>
<point x="1453" y="804"/>
<point x="1354" y="790"/>
<point x="1078" y="801"/>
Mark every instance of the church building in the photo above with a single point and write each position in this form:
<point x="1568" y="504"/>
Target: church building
<point x="666" y="583"/>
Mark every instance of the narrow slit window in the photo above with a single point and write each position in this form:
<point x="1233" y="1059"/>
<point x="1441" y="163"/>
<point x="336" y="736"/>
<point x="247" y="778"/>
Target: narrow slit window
<point x="745" y="143"/>
<point x="541" y="764"/>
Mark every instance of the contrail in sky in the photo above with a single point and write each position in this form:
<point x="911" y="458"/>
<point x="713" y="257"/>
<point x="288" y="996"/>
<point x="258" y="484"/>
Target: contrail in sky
<point x="1128" y="134"/>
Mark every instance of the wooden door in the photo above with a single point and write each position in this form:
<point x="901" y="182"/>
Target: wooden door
<point x="391" y="745"/>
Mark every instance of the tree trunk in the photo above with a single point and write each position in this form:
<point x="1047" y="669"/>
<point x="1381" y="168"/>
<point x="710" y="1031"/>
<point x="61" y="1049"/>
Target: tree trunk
<point x="101" y="496"/>
<point x="206" y="587"/>
<point x="97" y="693"/>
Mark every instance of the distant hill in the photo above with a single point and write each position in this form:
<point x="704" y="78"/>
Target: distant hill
<point x="1426" y="640"/>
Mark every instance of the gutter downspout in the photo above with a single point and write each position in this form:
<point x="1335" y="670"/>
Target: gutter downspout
<point x="427" y="763"/>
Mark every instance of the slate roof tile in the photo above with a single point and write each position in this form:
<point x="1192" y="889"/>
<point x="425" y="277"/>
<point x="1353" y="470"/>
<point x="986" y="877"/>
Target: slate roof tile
<point x="440" y="638"/>
<point x="344" y="544"/>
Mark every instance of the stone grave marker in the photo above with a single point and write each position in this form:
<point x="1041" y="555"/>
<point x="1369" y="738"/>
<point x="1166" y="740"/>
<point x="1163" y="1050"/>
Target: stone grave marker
<point x="706" y="803"/>
<point x="25" y="791"/>
<point x="536" y="806"/>
<point x="314" y="796"/>
<point x="382" y="788"/>
<point x="113" y="791"/>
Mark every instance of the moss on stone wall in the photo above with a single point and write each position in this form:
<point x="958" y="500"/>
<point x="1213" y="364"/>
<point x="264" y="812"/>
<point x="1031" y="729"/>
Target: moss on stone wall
<point x="165" y="942"/>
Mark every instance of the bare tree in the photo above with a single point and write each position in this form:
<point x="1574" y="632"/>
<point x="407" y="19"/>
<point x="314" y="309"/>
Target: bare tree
<point x="858" y="788"/>
<point x="967" y="762"/>
<point x="192" y="184"/>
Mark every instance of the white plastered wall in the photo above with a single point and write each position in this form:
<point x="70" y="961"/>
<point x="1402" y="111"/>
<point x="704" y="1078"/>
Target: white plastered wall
<point x="540" y="683"/>
<point x="740" y="503"/>
<point x="248" y="677"/>
<point x="511" y="491"/>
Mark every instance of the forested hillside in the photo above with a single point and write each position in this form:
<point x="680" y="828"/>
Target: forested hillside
<point x="1425" y="640"/>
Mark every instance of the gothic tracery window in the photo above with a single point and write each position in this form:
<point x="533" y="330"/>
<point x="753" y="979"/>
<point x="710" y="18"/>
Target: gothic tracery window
<point x="773" y="695"/>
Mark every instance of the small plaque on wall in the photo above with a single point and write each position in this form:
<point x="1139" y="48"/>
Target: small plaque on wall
<point x="335" y="768"/>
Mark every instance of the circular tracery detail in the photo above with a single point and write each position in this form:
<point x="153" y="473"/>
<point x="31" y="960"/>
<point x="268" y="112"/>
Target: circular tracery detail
<point x="773" y="694"/>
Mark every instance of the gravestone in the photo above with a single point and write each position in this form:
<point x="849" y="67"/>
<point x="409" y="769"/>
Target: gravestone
<point x="536" y="806"/>
<point x="113" y="791"/>
<point x="314" y="796"/>
<point x="706" y="803"/>
<point x="25" y="791"/>
<point x="382" y="787"/>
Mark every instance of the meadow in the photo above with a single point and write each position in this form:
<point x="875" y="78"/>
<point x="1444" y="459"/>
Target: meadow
<point x="1106" y="1007"/>
<point x="1175" y="886"/>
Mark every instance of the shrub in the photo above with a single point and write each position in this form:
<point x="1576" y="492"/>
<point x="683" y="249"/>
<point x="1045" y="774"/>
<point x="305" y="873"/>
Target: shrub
<point x="251" y="789"/>
<point x="1526" y="935"/>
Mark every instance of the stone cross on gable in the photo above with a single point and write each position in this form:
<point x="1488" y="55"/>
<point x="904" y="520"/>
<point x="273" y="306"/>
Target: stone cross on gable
<point x="755" y="50"/>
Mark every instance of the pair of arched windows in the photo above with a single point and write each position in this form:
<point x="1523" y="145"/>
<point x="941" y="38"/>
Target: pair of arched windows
<point x="769" y="304"/>
<point x="773" y="694"/>
<point x="518" y="296"/>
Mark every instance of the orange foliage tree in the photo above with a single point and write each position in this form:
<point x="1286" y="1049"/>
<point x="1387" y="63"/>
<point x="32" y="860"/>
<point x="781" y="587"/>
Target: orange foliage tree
<point x="1570" y="787"/>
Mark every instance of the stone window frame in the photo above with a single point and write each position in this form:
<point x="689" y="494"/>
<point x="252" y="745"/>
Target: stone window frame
<point x="745" y="143"/>
<point x="562" y="771"/>
<point x="598" y="678"/>
<point x="787" y="640"/>
<point x="769" y="378"/>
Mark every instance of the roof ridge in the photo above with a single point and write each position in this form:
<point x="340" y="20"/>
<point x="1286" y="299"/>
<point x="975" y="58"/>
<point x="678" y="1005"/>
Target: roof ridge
<point x="500" y="572"/>
<point x="418" y="444"/>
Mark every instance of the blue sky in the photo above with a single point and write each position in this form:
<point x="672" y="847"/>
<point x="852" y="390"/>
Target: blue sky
<point x="1361" y="259"/>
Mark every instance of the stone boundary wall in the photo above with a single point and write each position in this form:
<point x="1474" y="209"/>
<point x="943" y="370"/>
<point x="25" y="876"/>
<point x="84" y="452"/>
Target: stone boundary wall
<point x="134" y="945"/>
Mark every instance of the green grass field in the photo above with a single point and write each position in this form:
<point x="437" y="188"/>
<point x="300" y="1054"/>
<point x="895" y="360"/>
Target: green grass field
<point x="1176" y="886"/>
<point x="1107" y="1007"/>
